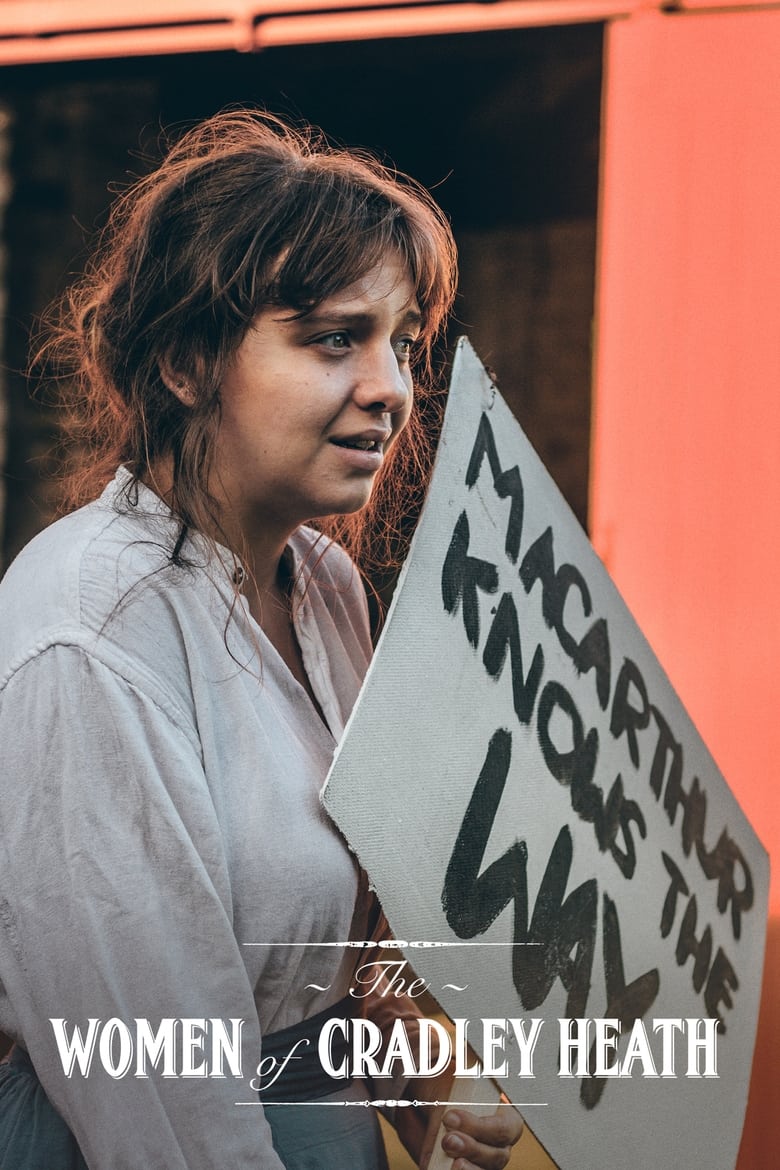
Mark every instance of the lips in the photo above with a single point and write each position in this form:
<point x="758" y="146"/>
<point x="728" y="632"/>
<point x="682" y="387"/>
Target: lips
<point x="366" y="441"/>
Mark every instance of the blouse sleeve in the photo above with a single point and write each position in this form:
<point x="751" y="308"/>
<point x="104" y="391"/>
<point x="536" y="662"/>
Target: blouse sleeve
<point x="115" y="904"/>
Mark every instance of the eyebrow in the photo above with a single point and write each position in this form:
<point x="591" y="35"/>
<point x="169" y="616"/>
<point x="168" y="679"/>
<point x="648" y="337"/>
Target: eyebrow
<point x="345" y="320"/>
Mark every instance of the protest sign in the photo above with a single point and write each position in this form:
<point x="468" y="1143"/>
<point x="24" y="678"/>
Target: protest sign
<point x="544" y="826"/>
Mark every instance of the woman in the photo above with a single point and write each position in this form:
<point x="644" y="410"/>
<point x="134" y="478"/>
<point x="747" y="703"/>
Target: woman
<point x="179" y="656"/>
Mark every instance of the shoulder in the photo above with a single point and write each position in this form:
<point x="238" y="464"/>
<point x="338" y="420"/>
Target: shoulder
<point x="47" y="587"/>
<point x="101" y="580"/>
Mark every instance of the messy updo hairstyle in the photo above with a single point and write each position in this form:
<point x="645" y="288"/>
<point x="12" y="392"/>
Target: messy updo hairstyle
<point x="244" y="211"/>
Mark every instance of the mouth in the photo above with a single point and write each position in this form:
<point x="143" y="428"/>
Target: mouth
<point x="362" y="453"/>
<point x="372" y="441"/>
<point x="376" y="445"/>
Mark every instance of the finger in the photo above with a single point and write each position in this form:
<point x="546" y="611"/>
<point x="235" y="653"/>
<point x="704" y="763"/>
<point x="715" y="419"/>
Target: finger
<point x="502" y="1128"/>
<point x="469" y="1153"/>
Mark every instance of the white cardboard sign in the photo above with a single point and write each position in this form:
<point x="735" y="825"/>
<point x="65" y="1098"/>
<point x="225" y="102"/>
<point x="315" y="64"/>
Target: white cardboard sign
<point x="523" y="785"/>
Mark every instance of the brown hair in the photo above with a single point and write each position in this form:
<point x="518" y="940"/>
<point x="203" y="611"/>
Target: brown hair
<point x="244" y="211"/>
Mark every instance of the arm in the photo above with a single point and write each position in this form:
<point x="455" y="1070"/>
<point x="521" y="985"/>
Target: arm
<point x="116" y="903"/>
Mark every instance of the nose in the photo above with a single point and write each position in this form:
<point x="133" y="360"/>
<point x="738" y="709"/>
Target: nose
<point x="384" y="384"/>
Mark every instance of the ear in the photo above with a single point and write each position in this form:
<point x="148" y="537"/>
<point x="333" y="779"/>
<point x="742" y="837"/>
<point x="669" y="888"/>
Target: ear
<point x="176" y="382"/>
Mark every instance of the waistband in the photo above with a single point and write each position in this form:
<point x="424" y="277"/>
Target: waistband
<point x="302" y="1077"/>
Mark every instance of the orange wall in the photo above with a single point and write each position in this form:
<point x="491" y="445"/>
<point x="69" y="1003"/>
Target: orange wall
<point x="686" y="449"/>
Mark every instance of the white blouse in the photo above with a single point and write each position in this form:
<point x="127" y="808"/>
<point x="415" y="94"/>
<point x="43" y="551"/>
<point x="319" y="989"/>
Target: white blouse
<point x="159" y="810"/>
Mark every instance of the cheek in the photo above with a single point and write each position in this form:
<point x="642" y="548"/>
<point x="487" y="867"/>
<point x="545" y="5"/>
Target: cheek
<point x="400" y="424"/>
<point x="405" y="415"/>
<point x="401" y="418"/>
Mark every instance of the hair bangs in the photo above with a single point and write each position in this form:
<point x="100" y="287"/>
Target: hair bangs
<point x="339" y="231"/>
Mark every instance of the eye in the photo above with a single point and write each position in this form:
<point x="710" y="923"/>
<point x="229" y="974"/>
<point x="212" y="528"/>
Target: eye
<point x="403" y="347"/>
<point x="338" y="340"/>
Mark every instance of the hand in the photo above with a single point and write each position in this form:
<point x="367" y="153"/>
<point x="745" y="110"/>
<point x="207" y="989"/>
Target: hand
<point x="480" y="1143"/>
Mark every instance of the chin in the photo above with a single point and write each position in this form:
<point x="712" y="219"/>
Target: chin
<point x="347" y="509"/>
<point x="349" y="502"/>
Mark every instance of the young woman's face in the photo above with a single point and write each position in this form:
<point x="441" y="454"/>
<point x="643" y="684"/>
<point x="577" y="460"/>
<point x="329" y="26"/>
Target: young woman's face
<point x="311" y="406"/>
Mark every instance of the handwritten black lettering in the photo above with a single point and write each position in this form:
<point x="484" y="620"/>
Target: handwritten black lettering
<point x="719" y="978"/>
<point x="626" y="1002"/>
<point x="560" y="925"/>
<point x="626" y="718"/>
<point x="691" y="947"/>
<point x="505" y="635"/>
<point x="462" y="576"/>
<point x="725" y="861"/>
<point x="506" y="483"/>
<point x="563" y="923"/>
<point x="678" y="886"/>
<point x="619" y="814"/>
<point x="721" y="982"/>
<point x="592" y="652"/>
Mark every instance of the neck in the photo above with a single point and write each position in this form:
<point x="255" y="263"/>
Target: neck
<point x="260" y="545"/>
<point x="258" y="541"/>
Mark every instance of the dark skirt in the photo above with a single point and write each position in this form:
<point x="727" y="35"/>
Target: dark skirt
<point x="319" y="1136"/>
